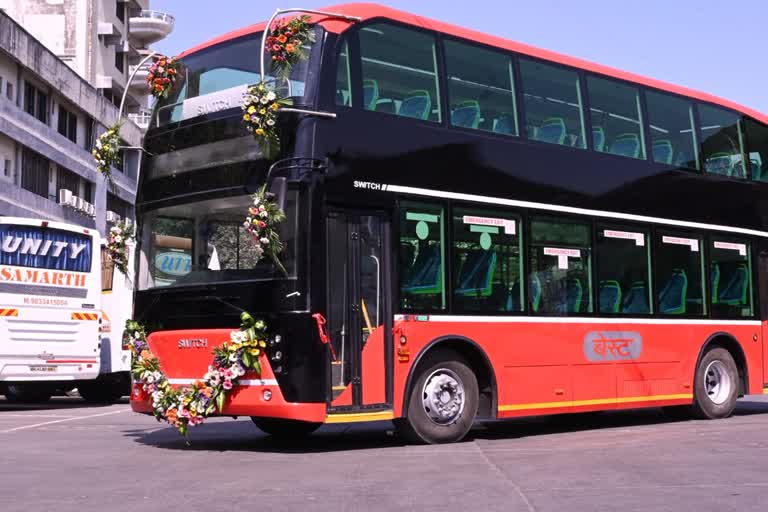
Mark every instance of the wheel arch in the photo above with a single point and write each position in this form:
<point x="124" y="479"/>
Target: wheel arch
<point x="732" y="345"/>
<point x="474" y="355"/>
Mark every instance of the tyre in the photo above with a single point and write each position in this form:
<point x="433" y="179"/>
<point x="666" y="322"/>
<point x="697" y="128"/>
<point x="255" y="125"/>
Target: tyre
<point x="285" y="429"/>
<point x="442" y="404"/>
<point x="103" y="390"/>
<point x="716" y="385"/>
<point x="28" y="393"/>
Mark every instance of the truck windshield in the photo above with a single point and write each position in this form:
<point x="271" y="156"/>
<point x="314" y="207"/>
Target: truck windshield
<point x="215" y="79"/>
<point x="204" y="242"/>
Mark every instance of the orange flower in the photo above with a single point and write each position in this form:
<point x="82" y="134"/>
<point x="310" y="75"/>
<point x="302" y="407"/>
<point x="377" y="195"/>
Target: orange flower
<point x="146" y="354"/>
<point x="171" y="415"/>
<point x="281" y="38"/>
<point x="207" y="392"/>
<point x="161" y="63"/>
<point x="289" y="48"/>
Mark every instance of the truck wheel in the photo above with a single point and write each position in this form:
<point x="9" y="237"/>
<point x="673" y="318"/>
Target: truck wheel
<point x="28" y="393"/>
<point x="716" y="385"/>
<point x="103" y="390"/>
<point x="285" y="429"/>
<point x="442" y="405"/>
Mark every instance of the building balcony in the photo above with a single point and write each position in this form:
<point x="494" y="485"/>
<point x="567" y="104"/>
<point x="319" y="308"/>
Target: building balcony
<point x="109" y="33"/>
<point x="138" y="85"/>
<point x="148" y="27"/>
<point x="142" y="119"/>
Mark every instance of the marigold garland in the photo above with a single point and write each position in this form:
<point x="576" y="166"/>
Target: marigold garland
<point x="162" y="77"/>
<point x="285" y="43"/>
<point x="261" y="222"/>
<point x="106" y="151"/>
<point x="117" y="239"/>
<point x="188" y="406"/>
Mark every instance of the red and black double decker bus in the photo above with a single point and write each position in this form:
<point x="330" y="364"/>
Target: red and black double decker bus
<point x="490" y="230"/>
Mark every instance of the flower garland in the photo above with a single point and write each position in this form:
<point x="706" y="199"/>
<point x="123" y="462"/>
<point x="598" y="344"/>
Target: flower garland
<point x="162" y="77"/>
<point x="260" y="108"/>
<point x="188" y="406"/>
<point x="119" y="235"/>
<point x="106" y="152"/>
<point x="285" y="43"/>
<point x="261" y="222"/>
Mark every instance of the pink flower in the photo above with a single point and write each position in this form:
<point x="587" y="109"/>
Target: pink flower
<point x="227" y="384"/>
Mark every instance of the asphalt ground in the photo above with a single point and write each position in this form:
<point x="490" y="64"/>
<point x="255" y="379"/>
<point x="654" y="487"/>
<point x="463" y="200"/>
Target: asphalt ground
<point x="69" y="456"/>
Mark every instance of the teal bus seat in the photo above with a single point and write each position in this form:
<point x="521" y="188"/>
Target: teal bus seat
<point x="756" y="170"/>
<point x="636" y="301"/>
<point x="534" y="292"/>
<point x="385" y="105"/>
<point x="672" y="298"/>
<point x="552" y="130"/>
<point x="417" y="105"/>
<point x="610" y="296"/>
<point x="626" y="144"/>
<point x="714" y="281"/>
<point x="505" y="125"/>
<point x="426" y="276"/>
<point x="719" y="163"/>
<point x="466" y="114"/>
<point x="573" y="293"/>
<point x="736" y="291"/>
<point x="370" y="94"/>
<point x="598" y="138"/>
<point x="663" y="151"/>
<point x="476" y="275"/>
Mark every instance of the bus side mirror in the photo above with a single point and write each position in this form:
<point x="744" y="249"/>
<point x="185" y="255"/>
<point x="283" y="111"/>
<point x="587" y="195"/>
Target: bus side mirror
<point x="279" y="189"/>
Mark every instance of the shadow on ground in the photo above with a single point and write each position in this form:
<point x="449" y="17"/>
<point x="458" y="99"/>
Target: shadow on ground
<point x="242" y="436"/>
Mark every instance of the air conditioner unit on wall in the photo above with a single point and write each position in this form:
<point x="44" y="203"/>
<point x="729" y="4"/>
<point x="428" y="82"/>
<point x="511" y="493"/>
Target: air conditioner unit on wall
<point x="65" y="197"/>
<point x="91" y="210"/>
<point x="112" y="217"/>
<point x="77" y="203"/>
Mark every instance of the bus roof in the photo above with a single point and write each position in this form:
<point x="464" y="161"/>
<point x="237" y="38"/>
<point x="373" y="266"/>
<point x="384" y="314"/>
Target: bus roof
<point x="368" y="11"/>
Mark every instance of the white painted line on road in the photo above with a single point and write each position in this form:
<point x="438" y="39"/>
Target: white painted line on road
<point x="25" y="427"/>
<point x="7" y="415"/>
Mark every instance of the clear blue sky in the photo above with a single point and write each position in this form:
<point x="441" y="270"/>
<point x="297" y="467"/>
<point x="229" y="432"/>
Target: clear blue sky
<point x="716" y="46"/>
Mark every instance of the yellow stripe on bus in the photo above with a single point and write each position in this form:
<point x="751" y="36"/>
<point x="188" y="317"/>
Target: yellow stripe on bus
<point x="598" y="401"/>
<point x="360" y="416"/>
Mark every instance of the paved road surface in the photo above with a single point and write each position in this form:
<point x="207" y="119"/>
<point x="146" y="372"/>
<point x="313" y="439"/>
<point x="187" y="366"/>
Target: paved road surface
<point x="66" y="456"/>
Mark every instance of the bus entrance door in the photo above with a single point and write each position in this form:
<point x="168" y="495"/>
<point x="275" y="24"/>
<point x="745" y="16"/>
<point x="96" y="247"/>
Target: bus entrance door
<point x="358" y="309"/>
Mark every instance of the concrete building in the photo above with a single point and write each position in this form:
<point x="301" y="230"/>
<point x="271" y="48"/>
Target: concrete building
<point x="101" y="40"/>
<point x="49" y="120"/>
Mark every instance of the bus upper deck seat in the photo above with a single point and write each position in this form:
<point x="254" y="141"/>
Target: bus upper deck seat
<point x="476" y="274"/>
<point x="672" y="298"/>
<point x="736" y="291"/>
<point x="598" y="138"/>
<point x="626" y="144"/>
<point x="663" y="152"/>
<point x="756" y="170"/>
<point x="417" y="105"/>
<point x="341" y="98"/>
<point x="552" y="130"/>
<point x="636" y="301"/>
<point x="385" y="105"/>
<point x="719" y="163"/>
<point x="466" y="114"/>
<point x="370" y="94"/>
<point x="610" y="296"/>
<point x="426" y="273"/>
<point x="504" y="124"/>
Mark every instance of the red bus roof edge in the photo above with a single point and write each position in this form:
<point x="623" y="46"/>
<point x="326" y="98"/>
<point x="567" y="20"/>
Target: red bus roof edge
<point x="368" y="11"/>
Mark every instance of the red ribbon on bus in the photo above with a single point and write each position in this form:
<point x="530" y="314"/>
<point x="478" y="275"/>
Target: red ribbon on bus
<point x="321" y="330"/>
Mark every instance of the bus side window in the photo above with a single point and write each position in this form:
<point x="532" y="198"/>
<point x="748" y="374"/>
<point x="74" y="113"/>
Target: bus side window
<point x="679" y="281"/>
<point x="343" y="78"/>
<point x="560" y="282"/>
<point x="623" y="270"/>
<point x="422" y="268"/>
<point x="730" y="277"/>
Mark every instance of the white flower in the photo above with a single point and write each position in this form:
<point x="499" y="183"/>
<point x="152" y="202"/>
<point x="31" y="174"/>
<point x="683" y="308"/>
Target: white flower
<point x="118" y="239"/>
<point x="264" y="100"/>
<point x="264" y="241"/>
<point x="270" y="122"/>
<point x="263" y="214"/>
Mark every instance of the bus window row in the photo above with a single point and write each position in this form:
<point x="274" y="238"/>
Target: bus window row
<point x="560" y="266"/>
<point x="399" y="69"/>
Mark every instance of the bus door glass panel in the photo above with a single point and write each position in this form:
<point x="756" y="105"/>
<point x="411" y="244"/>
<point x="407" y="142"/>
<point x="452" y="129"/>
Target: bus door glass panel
<point x="338" y="289"/>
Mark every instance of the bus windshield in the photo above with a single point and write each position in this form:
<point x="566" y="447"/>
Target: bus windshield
<point x="204" y="242"/>
<point x="216" y="78"/>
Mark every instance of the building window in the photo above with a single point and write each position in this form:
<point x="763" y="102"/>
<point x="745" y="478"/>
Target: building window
<point x="66" y="179"/>
<point x="88" y="191"/>
<point x="679" y="279"/>
<point x="553" y="108"/>
<point x="120" y="207"/>
<point x="120" y="61"/>
<point x="481" y="88"/>
<point x="673" y="131"/>
<point x="623" y="270"/>
<point x="721" y="141"/>
<point x="9" y="90"/>
<point x="68" y="124"/>
<point x="757" y="149"/>
<point x="88" y="142"/>
<point x="35" y="102"/>
<point x="561" y="267"/>
<point x="7" y="169"/>
<point x="487" y="261"/>
<point x="617" y="126"/>
<point x="422" y="280"/>
<point x="34" y="172"/>
<point x="399" y="68"/>
<point x="120" y="10"/>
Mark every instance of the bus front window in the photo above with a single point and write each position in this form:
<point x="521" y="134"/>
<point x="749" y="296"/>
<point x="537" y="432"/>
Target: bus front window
<point x="205" y="242"/>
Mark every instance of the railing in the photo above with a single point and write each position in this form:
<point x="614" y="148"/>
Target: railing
<point x="156" y="15"/>
<point x="141" y="119"/>
<point x="135" y="68"/>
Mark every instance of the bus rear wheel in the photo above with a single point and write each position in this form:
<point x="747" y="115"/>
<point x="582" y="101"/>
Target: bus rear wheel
<point x="28" y="393"/>
<point x="442" y="405"/>
<point x="285" y="429"/>
<point x="716" y="385"/>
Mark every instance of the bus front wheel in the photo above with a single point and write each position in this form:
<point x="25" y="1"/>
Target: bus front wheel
<point x="716" y="387"/>
<point x="285" y="429"/>
<point x="442" y="405"/>
<point x="28" y="393"/>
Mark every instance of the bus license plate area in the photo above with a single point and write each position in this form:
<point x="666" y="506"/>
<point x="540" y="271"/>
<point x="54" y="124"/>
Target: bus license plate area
<point x="42" y="368"/>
